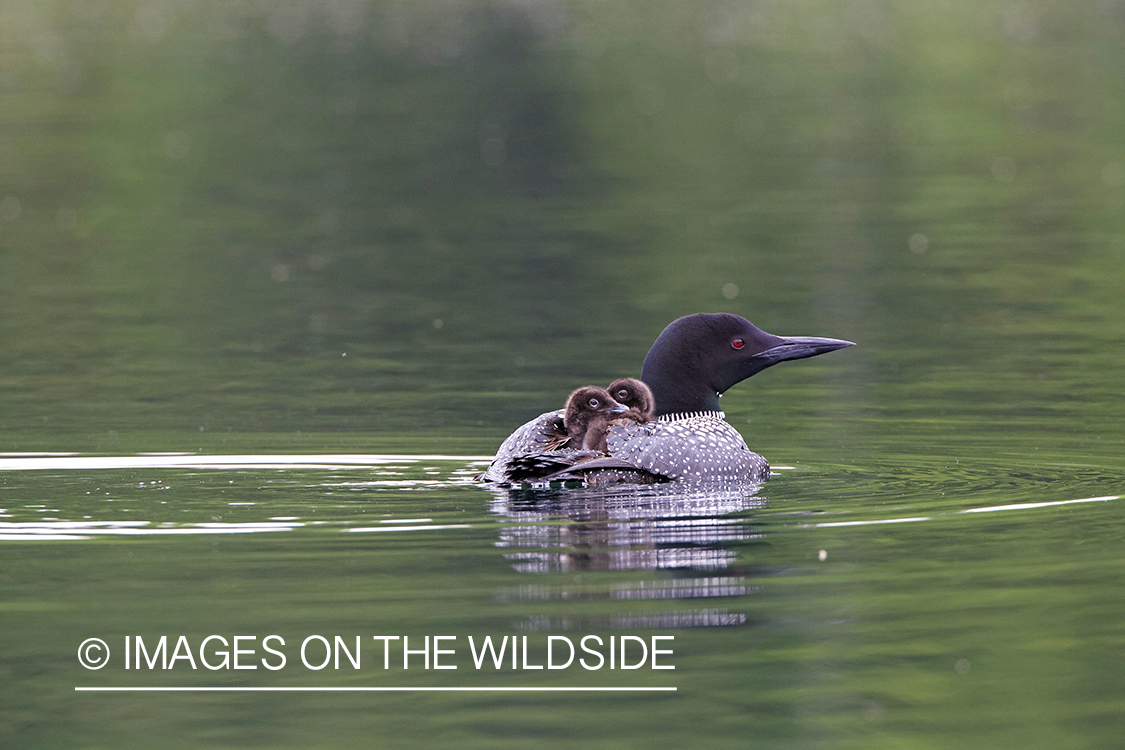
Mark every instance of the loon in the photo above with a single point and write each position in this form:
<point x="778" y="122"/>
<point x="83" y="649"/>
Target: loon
<point x="689" y="366"/>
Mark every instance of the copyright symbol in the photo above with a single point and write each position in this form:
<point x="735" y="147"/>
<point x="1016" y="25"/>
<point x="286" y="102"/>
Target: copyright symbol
<point x="93" y="653"/>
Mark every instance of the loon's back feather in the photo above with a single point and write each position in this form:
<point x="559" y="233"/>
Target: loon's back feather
<point x="540" y="435"/>
<point x="696" y="448"/>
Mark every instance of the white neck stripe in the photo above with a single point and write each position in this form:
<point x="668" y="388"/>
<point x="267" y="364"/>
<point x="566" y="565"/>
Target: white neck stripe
<point x="677" y="416"/>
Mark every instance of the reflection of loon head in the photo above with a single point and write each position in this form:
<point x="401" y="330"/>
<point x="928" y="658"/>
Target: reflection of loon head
<point x="589" y="410"/>
<point x="637" y="396"/>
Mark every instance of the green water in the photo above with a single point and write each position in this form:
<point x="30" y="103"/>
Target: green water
<point x="356" y="245"/>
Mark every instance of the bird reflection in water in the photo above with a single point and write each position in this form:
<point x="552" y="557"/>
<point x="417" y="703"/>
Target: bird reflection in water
<point x="683" y="532"/>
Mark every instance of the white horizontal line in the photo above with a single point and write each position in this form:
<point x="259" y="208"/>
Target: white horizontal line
<point x="206" y="461"/>
<point x="363" y="689"/>
<point x="987" y="509"/>
<point x="1022" y="506"/>
<point x="42" y="537"/>
<point x="410" y="528"/>
<point x="872" y="523"/>
<point x="247" y="529"/>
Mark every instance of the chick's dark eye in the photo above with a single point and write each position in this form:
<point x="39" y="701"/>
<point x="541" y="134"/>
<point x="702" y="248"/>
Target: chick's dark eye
<point x="594" y="403"/>
<point x="622" y="394"/>
<point x="737" y="343"/>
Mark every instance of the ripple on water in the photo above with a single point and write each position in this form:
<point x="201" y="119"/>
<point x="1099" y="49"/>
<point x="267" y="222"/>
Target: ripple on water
<point x="940" y="484"/>
<point x="200" y="487"/>
<point x="890" y="491"/>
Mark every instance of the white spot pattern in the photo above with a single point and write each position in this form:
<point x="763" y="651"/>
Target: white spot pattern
<point x="699" y="446"/>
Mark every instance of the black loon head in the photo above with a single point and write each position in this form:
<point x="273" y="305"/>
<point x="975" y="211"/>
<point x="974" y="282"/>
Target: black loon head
<point x="589" y="410"/>
<point x="698" y="357"/>
<point x="637" y="396"/>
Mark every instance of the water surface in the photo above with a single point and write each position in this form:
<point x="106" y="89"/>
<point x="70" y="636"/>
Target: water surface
<point x="276" y="281"/>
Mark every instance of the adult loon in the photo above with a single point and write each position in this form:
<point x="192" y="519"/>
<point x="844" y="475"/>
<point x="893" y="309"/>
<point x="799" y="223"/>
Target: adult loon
<point x="689" y="366"/>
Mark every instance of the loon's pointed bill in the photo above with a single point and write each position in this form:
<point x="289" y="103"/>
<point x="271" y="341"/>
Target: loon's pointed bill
<point x="800" y="347"/>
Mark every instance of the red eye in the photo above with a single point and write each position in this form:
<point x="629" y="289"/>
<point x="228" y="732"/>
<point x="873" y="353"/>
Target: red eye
<point x="737" y="343"/>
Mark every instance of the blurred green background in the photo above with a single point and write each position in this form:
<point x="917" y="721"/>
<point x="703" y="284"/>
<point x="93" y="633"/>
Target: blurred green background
<point x="435" y="219"/>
